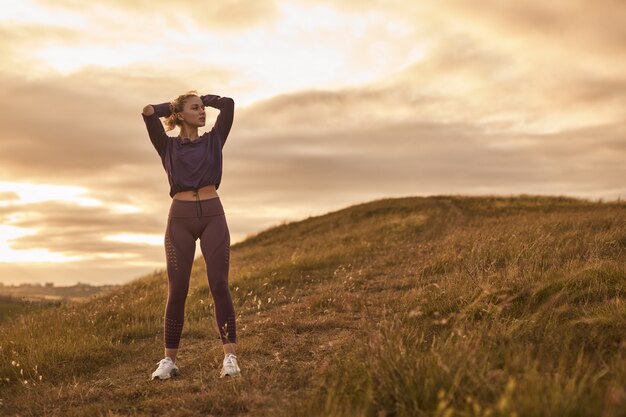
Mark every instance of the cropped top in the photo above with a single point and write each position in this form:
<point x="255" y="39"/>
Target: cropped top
<point x="192" y="164"/>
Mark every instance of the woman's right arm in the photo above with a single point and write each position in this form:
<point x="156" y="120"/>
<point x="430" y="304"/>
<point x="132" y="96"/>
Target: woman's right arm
<point x="151" y="114"/>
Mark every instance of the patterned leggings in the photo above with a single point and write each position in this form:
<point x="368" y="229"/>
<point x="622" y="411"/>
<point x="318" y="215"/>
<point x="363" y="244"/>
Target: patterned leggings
<point x="187" y="222"/>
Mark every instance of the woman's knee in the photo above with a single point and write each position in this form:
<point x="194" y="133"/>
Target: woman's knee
<point x="177" y="293"/>
<point x="219" y="287"/>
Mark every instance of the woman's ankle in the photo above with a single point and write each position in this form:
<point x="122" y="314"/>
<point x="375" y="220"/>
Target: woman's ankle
<point x="171" y="353"/>
<point x="229" y="348"/>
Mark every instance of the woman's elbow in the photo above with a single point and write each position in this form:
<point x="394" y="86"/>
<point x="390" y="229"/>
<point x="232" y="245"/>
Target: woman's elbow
<point x="148" y="110"/>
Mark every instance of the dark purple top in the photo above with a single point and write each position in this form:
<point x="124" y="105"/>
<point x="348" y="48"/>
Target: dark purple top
<point x="192" y="164"/>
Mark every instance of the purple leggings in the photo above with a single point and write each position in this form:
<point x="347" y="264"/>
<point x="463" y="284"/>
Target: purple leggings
<point x="187" y="222"/>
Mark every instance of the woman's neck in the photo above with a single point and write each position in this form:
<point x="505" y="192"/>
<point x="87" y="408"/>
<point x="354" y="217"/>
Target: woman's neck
<point x="189" y="132"/>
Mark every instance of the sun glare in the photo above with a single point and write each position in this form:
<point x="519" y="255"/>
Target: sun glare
<point x="69" y="59"/>
<point x="29" y="193"/>
<point x="29" y="12"/>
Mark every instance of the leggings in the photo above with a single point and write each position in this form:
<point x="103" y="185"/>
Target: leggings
<point x="187" y="222"/>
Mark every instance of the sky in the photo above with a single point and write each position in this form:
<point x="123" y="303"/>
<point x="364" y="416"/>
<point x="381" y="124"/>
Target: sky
<point x="336" y="103"/>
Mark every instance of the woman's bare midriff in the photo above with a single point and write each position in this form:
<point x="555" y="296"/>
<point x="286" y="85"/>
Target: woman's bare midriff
<point x="203" y="193"/>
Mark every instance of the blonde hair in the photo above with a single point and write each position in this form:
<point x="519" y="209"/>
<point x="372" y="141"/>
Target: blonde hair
<point x="176" y="107"/>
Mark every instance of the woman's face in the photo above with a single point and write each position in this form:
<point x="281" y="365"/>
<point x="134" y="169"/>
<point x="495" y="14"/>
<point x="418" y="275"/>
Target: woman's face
<point x="193" y="112"/>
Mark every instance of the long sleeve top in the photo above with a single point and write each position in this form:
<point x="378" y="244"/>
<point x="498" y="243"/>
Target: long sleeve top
<point x="192" y="164"/>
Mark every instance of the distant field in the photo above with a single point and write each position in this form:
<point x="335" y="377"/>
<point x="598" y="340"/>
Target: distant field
<point x="11" y="307"/>
<point x="441" y="306"/>
<point x="50" y="293"/>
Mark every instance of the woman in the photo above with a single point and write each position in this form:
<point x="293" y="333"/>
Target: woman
<point x="194" y="168"/>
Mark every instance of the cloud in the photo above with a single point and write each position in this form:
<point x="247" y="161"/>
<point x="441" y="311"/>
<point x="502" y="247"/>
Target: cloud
<point x="299" y="46"/>
<point x="595" y="27"/>
<point x="80" y="233"/>
<point x="8" y="196"/>
<point x="224" y="15"/>
<point x="524" y="65"/>
<point x="73" y="230"/>
<point x="311" y="152"/>
<point x="86" y="124"/>
<point x="63" y="37"/>
<point x="590" y="28"/>
<point x="417" y="98"/>
<point x="409" y="155"/>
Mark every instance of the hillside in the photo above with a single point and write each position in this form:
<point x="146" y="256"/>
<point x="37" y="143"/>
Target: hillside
<point x="437" y="306"/>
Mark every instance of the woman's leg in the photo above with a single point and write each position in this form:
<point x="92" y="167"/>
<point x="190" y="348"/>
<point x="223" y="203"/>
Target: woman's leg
<point x="215" y="245"/>
<point x="180" y="247"/>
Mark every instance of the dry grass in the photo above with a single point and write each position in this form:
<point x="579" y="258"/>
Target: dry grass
<point x="440" y="306"/>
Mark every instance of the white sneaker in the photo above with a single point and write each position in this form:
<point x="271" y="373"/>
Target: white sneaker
<point x="166" y="369"/>
<point x="229" y="366"/>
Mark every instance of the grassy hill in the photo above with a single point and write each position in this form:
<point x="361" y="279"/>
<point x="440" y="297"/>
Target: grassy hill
<point x="438" y="306"/>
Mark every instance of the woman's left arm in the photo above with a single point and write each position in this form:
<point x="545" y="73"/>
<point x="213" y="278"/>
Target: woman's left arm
<point x="226" y="106"/>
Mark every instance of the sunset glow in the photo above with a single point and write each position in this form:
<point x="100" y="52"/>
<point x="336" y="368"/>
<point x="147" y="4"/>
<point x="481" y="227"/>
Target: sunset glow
<point x="29" y="193"/>
<point x="10" y="255"/>
<point x="337" y="103"/>
<point x="136" y="238"/>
